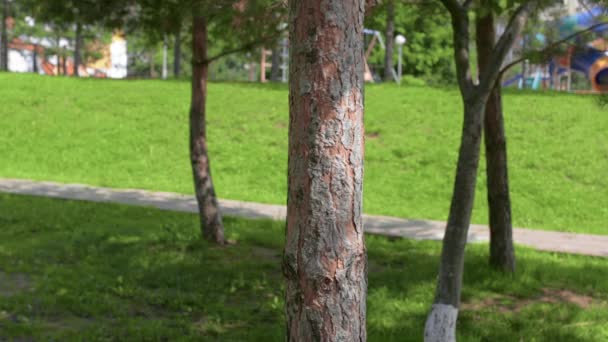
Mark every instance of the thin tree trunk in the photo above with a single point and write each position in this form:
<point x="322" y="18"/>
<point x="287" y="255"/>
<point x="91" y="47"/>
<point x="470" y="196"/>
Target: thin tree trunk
<point x="502" y="253"/>
<point x="64" y="61"/>
<point x="177" y="53"/>
<point x="35" y="59"/>
<point x="212" y="227"/>
<point x="151" y="61"/>
<point x="58" y="47"/>
<point x="4" y="38"/>
<point x="325" y="262"/>
<point x="263" y="65"/>
<point x="77" y="48"/>
<point x="275" y="68"/>
<point x="441" y="323"/>
<point x="390" y="40"/>
<point x="251" y="70"/>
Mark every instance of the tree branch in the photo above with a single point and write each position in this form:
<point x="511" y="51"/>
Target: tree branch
<point x="551" y="46"/>
<point x="242" y="48"/>
<point x="451" y="5"/>
<point x="505" y="43"/>
<point x="461" y="37"/>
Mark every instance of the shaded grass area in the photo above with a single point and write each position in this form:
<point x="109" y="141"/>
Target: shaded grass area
<point x="87" y="271"/>
<point x="133" y="134"/>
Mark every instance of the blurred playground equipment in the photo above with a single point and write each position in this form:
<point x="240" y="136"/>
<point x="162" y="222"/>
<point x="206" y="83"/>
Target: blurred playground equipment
<point x="375" y="40"/>
<point x="587" y="58"/>
<point x="40" y="55"/>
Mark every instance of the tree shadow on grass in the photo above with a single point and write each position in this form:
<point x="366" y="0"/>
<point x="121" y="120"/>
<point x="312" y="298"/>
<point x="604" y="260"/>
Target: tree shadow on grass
<point x="408" y="271"/>
<point x="144" y="274"/>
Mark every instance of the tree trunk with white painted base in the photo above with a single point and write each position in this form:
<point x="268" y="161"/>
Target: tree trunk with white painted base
<point x="325" y="263"/>
<point x="441" y="322"/>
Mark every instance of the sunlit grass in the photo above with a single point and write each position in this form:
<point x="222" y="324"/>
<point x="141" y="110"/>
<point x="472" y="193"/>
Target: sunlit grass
<point x="134" y="134"/>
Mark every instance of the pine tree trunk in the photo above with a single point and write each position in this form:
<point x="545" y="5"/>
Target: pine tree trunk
<point x="4" y="38"/>
<point x="502" y="253"/>
<point x="212" y="227"/>
<point x="390" y="40"/>
<point x="177" y="53"/>
<point x="325" y="262"/>
<point x="441" y="322"/>
<point x="77" y="48"/>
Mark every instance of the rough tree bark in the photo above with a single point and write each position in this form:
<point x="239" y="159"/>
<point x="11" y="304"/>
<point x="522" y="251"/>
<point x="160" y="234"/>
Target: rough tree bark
<point x="502" y="253"/>
<point x="212" y="227"/>
<point x="325" y="261"/>
<point x="390" y="40"/>
<point x="441" y="322"/>
<point x="177" y="52"/>
<point x="4" y="38"/>
<point x="77" y="48"/>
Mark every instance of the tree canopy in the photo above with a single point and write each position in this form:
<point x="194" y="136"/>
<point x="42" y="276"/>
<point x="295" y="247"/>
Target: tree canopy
<point x="428" y="51"/>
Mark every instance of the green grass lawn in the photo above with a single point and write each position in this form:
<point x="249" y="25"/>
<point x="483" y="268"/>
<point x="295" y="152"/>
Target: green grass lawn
<point x="134" y="134"/>
<point x="103" y="272"/>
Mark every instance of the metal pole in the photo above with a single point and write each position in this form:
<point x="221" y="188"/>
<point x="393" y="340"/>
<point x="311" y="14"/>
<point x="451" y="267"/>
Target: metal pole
<point x="284" y="60"/>
<point x="524" y="74"/>
<point x="399" y="65"/>
<point x="569" y="74"/>
<point x="164" y="71"/>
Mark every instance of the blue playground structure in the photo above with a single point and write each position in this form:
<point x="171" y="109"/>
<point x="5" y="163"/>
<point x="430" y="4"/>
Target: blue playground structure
<point x="591" y="60"/>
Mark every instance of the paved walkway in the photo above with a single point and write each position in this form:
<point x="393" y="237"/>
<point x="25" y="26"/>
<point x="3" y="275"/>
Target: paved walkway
<point x="596" y="245"/>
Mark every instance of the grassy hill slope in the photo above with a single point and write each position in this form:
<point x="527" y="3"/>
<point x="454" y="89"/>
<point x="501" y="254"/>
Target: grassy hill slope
<point x="134" y="134"/>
